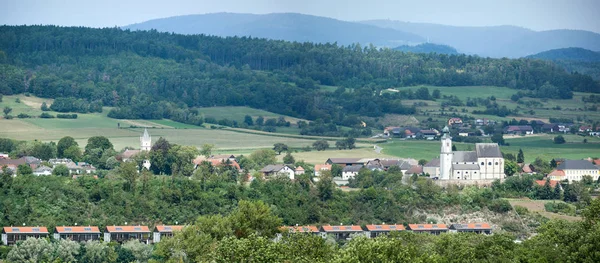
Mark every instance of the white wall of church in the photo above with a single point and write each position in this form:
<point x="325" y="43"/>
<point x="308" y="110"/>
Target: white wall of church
<point x="491" y="168"/>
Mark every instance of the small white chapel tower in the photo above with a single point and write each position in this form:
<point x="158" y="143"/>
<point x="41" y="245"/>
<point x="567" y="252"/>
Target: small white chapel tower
<point x="446" y="155"/>
<point x="145" y="141"/>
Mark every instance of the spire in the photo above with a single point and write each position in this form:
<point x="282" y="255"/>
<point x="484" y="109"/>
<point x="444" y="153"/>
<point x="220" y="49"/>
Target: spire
<point x="146" y="136"/>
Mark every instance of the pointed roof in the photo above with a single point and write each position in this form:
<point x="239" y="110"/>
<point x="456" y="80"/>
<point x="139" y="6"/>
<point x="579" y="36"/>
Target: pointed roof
<point x="146" y="136"/>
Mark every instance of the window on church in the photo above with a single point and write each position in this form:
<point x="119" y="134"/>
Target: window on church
<point x="496" y="163"/>
<point x="489" y="163"/>
<point x="482" y="163"/>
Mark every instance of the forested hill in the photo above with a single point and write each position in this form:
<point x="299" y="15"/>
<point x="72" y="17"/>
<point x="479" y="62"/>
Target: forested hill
<point x="281" y="26"/>
<point x="163" y="75"/>
<point x="573" y="53"/>
<point x="428" y="48"/>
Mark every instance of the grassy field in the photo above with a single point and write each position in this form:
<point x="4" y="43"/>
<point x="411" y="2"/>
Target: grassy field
<point x="238" y="113"/>
<point x="537" y="206"/>
<point x="319" y="157"/>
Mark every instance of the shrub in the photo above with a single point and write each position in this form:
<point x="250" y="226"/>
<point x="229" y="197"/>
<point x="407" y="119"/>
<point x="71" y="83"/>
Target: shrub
<point x="23" y="116"/>
<point x="521" y="210"/>
<point x="559" y="139"/>
<point x="46" y="115"/>
<point x="500" y="206"/>
<point x="560" y="207"/>
<point x="66" y="116"/>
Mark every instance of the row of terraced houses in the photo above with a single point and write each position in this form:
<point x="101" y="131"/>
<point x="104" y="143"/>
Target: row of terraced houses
<point x="120" y="234"/>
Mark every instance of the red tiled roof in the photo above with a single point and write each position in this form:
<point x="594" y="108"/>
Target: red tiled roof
<point x="321" y="167"/>
<point x="77" y="229"/>
<point x="219" y="162"/>
<point x="596" y="162"/>
<point x="128" y="229"/>
<point x="342" y="228"/>
<point x="169" y="228"/>
<point x="415" y="169"/>
<point x="553" y="183"/>
<point x="299" y="168"/>
<point x="557" y="173"/>
<point x="300" y="229"/>
<point x="28" y="230"/>
<point x="427" y="227"/>
<point x="385" y="227"/>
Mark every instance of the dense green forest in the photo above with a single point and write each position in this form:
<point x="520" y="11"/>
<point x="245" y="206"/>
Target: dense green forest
<point x="428" y="48"/>
<point x="153" y="75"/>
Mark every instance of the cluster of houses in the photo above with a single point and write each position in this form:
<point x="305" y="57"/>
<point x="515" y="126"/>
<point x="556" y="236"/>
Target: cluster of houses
<point x="468" y="129"/>
<point x="119" y="234"/>
<point x="345" y="232"/>
<point x="39" y="168"/>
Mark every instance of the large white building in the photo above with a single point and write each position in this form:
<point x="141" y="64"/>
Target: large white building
<point x="484" y="165"/>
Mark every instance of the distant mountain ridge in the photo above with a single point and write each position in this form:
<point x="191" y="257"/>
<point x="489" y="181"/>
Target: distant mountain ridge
<point x="428" y="48"/>
<point x="281" y="26"/>
<point x="492" y="41"/>
<point x="572" y="54"/>
<point x="496" y="41"/>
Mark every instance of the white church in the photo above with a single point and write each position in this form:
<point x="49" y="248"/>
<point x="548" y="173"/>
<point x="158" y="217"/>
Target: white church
<point x="482" y="166"/>
<point x="145" y="146"/>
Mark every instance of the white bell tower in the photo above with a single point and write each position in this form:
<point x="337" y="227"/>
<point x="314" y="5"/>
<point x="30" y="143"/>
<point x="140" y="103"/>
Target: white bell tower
<point x="145" y="141"/>
<point x="446" y="155"/>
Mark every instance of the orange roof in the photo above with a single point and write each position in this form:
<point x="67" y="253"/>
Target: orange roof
<point x="299" y="168"/>
<point x="77" y="229"/>
<point x="553" y="183"/>
<point x="169" y="228"/>
<point x="321" y="167"/>
<point x="128" y="229"/>
<point x="300" y="229"/>
<point x="596" y="162"/>
<point x="471" y="226"/>
<point x="418" y="227"/>
<point x="385" y="227"/>
<point x="29" y="229"/>
<point x="342" y="228"/>
<point x="219" y="162"/>
<point x="557" y="173"/>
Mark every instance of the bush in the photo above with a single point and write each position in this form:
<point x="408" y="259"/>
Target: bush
<point x="66" y="116"/>
<point x="46" y="115"/>
<point x="559" y="139"/>
<point x="521" y="210"/>
<point x="560" y="208"/>
<point x="23" y="116"/>
<point x="500" y="206"/>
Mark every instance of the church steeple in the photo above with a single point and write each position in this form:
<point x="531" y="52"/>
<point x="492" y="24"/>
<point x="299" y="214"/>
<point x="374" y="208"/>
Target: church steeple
<point x="145" y="141"/>
<point x="446" y="154"/>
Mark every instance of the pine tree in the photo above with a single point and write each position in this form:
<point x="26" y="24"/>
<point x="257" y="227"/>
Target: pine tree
<point x="520" y="157"/>
<point x="557" y="192"/>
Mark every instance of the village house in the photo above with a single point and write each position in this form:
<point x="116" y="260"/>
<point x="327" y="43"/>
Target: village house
<point x="77" y="233"/>
<point x="385" y="164"/>
<point x="42" y="170"/>
<point x="164" y="231"/>
<point x="415" y="169"/>
<point x="453" y="121"/>
<point x="55" y="162"/>
<point x="347" y="161"/>
<point x="341" y="232"/>
<point x="3" y="155"/>
<point x="428" y="134"/>
<point x="550" y="128"/>
<point x="374" y="231"/>
<point x="278" y="169"/>
<point x="553" y="183"/>
<point x="434" y="229"/>
<point x="320" y="168"/>
<point x="350" y="171"/>
<point x="528" y="169"/>
<point x="11" y="235"/>
<point x="402" y="132"/>
<point x="432" y="168"/>
<point x="574" y="170"/>
<point x="585" y="128"/>
<point x="518" y="130"/>
<point x="79" y="168"/>
<point x="299" y="170"/>
<point x="484" y="122"/>
<point x="13" y="164"/>
<point x="479" y="228"/>
<point x="122" y="234"/>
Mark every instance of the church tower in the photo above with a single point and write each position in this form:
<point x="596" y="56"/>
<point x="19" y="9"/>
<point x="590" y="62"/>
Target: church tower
<point x="145" y="141"/>
<point x="446" y="155"/>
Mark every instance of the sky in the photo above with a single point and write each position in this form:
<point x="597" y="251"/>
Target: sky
<point x="532" y="14"/>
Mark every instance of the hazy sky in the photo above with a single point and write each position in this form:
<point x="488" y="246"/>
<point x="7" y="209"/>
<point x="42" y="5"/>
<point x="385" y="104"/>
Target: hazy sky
<point x="533" y="14"/>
